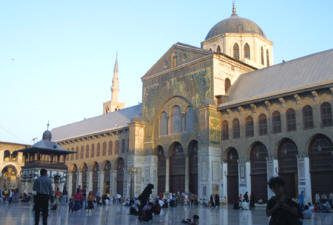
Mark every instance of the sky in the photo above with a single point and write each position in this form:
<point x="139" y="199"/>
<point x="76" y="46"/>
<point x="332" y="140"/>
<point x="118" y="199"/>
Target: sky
<point x="57" y="57"/>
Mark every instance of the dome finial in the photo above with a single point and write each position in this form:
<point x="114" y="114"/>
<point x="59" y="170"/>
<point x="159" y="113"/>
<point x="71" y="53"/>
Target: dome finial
<point x="48" y="125"/>
<point x="234" y="9"/>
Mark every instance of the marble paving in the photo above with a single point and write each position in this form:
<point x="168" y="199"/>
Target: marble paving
<point x="21" y="214"/>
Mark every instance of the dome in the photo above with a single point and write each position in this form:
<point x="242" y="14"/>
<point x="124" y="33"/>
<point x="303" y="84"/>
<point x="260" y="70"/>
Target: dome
<point x="234" y="24"/>
<point x="47" y="136"/>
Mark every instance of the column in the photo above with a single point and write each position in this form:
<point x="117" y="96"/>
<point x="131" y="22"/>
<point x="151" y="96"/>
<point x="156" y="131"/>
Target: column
<point x="113" y="182"/>
<point x="89" y="180"/>
<point x="187" y="174"/>
<point x="101" y="183"/>
<point x="304" y="177"/>
<point x="225" y="181"/>
<point x="272" y="171"/>
<point x="248" y="176"/>
<point x="167" y="174"/>
<point x="242" y="177"/>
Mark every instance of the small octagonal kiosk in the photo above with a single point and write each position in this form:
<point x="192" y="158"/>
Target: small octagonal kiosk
<point x="47" y="155"/>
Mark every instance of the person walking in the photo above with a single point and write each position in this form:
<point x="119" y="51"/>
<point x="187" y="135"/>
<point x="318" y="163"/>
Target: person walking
<point x="43" y="188"/>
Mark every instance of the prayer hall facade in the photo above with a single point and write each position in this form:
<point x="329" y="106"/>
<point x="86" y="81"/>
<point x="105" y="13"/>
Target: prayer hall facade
<point x="216" y="119"/>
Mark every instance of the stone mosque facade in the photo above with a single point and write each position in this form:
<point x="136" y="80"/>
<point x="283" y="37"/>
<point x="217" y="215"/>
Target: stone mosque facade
<point x="219" y="119"/>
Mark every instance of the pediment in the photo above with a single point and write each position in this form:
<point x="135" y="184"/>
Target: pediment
<point x="179" y="54"/>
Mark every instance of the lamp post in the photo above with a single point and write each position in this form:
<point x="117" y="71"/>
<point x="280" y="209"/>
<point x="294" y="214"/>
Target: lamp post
<point x="132" y="172"/>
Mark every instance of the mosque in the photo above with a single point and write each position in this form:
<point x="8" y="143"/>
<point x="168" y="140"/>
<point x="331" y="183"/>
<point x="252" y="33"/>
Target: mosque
<point x="219" y="119"/>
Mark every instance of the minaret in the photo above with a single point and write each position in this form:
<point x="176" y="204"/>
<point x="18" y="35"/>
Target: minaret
<point x="114" y="104"/>
<point x="115" y="83"/>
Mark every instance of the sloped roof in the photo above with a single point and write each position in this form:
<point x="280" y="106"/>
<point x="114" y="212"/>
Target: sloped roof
<point x="110" y="121"/>
<point x="308" y="71"/>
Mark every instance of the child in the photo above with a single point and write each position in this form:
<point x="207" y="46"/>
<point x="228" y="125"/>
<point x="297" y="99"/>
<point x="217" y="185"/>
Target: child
<point x="71" y="205"/>
<point x="194" y="221"/>
<point x="90" y="202"/>
<point x="282" y="210"/>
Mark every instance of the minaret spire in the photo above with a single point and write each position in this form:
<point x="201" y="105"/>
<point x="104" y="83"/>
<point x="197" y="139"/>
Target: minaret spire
<point x="114" y="104"/>
<point x="115" y="82"/>
<point x="234" y="9"/>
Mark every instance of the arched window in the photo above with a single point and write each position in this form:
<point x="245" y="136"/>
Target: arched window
<point x="326" y="114"/>
<point x="235" y="128"/>
<point x="267" y="57"/>
<point x="262" y="124"/>
<point x="249" y="132"/>
<point x="227" y="85"/>
<point x="276" y="122"/>
<point x="98" y="153"/>
<point x="307" y="117"/>
<point x="82" y="152"/>
<point x="291" y="119"/>
<point x="123" y="145"/>
<point x="236" y="51"/>
<point x="87" y="151"/>
<point x="176" y="120"/>
<point x="117" y="147"/>
<point x="6" y="155"/>
<point x="225" y="130"/>
<point x="92" y="154"/>
<point x="189" y="119"/>
<point x="164" y="124"/>
<point x="247" y="51"/>
<point x="104" y="149"/>
<point x="110" y="148"/>
<point x="262" y="56"/>
<point x="218" y="50"/>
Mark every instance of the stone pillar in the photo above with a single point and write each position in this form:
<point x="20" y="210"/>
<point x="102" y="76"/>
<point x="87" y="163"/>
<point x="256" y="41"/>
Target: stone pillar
<point x="242" y="185"/>
<point x="101" y="183"/>
<point x="304" y="180"/>
<point x="225" y="181"/>
<point x="248" y="176"/>
<point x="89" y="180"/>
<point x="272" y="171"/>
<point x="167" y="175"/>
<point x="113" y="182"/>
<point x="187" y="174"/>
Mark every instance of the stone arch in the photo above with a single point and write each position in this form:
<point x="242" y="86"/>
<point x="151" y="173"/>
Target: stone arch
<point x="320" y="150"/>
<point x="177" y="168"/>
<point x="107" y="176"/>
<point x="232" y="176"/>
<point x="120" y="175"/>
<point x="258" y="162"/>
<point x="161" y="169"/>
<point x="193" y="166"/>
<point x="287" y="159"/>
<point x="227" y="85"/>
<point x="9" y="175"/>
<point x="95" y="177"/>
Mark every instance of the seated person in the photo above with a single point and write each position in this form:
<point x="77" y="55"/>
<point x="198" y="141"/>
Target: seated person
<point x="307" y="213"/>
<point x="194" y="221"/>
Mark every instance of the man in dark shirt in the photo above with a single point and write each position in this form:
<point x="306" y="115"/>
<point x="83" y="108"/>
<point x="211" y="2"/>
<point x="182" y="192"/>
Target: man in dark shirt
<point x="281" y="209"/>
<point x="43" y="188"/>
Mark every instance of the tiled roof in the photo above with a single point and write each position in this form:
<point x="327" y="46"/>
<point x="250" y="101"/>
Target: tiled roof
<point x="308" y="71"/>
<point x="110" y="121"/>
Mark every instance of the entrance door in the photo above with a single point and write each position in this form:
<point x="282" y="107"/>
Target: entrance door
<point x="259" y="172"/>
<point x="287" y="153"/>
<point x="177" y="169"/>
<point x="161" y="170"/>
<point x="232" y="178"/>
<point x="321" y="161"/>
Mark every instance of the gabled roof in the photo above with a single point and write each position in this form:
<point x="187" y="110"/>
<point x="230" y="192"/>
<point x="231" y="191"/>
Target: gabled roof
<point x="110" y="121"/>
<point x="297" y="74"/>
<point x="163" y="64"/>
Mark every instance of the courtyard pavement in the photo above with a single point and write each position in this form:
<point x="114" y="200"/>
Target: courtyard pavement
<point x="21" y="214"/>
